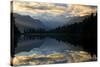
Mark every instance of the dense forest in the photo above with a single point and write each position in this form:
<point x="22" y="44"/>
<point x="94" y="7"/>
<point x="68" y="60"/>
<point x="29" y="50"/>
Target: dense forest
<point x="87" y="26"/>
<point x="83" y="33"/>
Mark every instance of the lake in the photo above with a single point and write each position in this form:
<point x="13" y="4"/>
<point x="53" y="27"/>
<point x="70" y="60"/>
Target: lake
<point x="43" y="49"/>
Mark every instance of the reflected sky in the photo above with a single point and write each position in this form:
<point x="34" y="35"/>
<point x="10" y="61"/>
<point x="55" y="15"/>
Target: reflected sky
<point x="46" y="50"/>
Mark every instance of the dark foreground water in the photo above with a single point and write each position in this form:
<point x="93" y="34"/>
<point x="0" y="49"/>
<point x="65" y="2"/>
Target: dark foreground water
<point x="35" y="50"/>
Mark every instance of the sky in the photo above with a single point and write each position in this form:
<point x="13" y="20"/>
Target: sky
<point x="52" y="15"/>
<point x="35" y="8"/>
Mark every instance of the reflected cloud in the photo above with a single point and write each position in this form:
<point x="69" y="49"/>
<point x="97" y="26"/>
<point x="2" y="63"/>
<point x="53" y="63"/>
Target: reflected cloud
<point x="49" y="51"/>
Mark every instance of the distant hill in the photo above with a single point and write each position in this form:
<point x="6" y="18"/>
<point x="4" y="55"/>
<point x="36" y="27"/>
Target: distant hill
<point x="24" y="23"/>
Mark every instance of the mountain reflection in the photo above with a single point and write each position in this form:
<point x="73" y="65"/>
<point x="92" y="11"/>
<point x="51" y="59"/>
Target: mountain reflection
<point x="46" y="44"/>
<point x="33" y="50"/>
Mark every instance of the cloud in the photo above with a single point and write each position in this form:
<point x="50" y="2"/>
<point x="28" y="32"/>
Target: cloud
<point x="36" y="7"/>
<point x="56" y="9"/>
<point x="80" y="10"/>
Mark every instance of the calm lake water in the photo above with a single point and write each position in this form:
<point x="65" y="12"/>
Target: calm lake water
<point x="35" y="50"/>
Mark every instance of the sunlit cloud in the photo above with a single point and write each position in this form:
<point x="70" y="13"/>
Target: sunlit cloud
<point x="81" y="10"/>
<point x="36" y="7"/>
<point x="56" y="9"/>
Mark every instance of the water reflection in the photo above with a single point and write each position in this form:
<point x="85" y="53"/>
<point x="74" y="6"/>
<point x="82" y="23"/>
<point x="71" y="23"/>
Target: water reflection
<point x="47" y="50"/>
